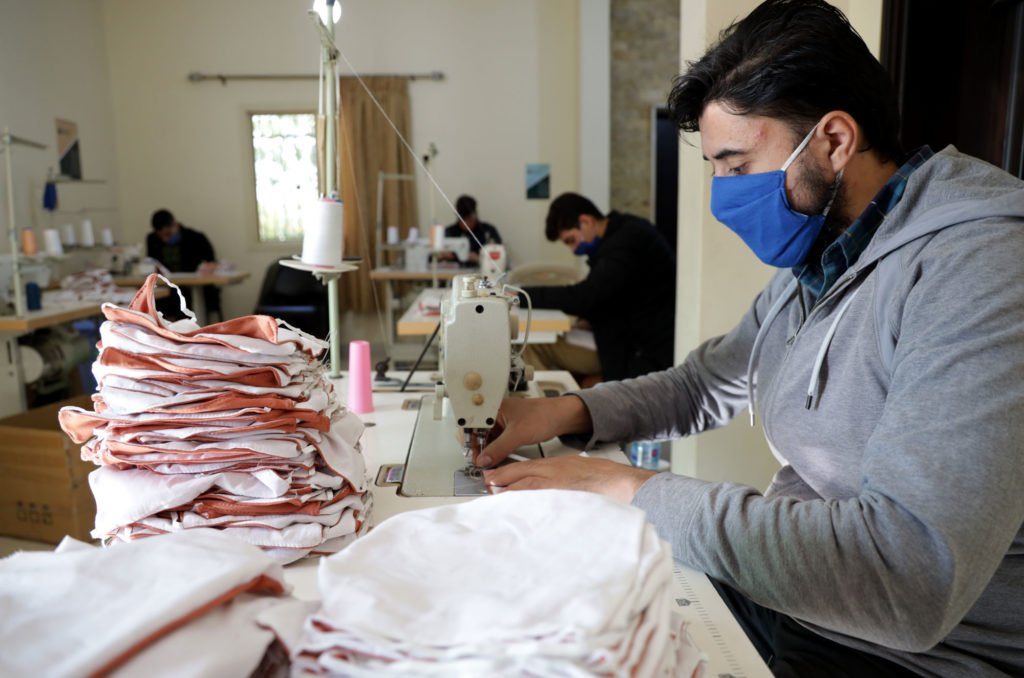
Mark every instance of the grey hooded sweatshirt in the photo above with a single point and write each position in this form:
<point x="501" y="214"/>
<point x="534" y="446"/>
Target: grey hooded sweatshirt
<point x="895" y="403"/>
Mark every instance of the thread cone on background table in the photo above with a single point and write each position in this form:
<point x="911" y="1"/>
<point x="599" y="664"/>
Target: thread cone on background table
<point x="87" y="238"/>
<point x="33" y="296"/>
<point x="360" y="390"/>
<point x="29" y="246"/>
<point x="437" y="236"/>
<point x="51" y="238"/>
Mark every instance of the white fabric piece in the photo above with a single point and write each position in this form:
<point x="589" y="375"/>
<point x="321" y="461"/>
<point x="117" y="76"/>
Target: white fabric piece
<point x="566" y="531"/>
<point x="294" y="390"/>
<point x="306" y="394"/>
<point x="224" y="347"/>
<point x="551" y="582"/>
<point x="126" y="496"/>
<point x="226" y="641"/>
<point x="286" y="620"/>
<point x="283" y="449"/>
<point x="74" y="612"/>
<point x="238" y="417"/>
<point x="69" y="544"/>
<point x="344" y="460"/>
<point x="292" y="536"/>
<point x="126" y="401"/>
<point x="129" y="496"/>
<point x="285" y="371"/>
<point x="228" y="347"/>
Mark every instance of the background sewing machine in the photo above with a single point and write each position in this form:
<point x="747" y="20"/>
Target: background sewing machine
<point x="479" y="368"/>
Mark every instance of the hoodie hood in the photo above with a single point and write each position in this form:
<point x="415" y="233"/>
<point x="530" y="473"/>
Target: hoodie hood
<point x="949" y="189"/>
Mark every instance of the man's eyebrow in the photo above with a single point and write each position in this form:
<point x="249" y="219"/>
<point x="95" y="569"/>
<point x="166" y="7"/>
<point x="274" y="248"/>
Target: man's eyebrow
<point x="725" y="153"/>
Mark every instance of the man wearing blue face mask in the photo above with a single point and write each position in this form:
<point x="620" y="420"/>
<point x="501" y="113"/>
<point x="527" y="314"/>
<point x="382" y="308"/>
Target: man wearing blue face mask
<point x="884" y="360"/>
<point x="628" y="296"/>
<point x="181" y="250"/>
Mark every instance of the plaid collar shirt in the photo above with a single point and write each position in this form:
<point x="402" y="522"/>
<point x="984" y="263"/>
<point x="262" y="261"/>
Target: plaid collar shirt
<point x="820" y="275"/>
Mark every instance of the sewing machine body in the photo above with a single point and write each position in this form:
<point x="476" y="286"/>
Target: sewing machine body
<point x="479" y="369"/>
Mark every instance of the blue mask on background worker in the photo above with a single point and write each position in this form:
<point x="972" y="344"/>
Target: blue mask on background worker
<point x="584" y="248"/>
<point x="755" y="207"/>
<point x="174" y="239"/>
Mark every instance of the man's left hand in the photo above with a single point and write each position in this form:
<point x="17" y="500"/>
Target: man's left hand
<point x="571" y="472"/>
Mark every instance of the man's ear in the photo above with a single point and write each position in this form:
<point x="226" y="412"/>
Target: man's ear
<point x="843" y="135"/>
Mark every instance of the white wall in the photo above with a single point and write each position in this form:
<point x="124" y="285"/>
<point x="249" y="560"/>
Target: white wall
<point x="53" y="64"/>
<point x="509" y="97"/>
<point x="718" y="275"/>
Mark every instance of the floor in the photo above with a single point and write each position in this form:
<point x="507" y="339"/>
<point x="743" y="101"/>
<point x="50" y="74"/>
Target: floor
<point x="9" y="545"/>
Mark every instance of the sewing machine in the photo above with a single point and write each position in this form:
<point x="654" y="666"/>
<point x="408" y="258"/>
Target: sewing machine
<point x="496" y="253"/>
<point x="457" y="245"/>
<point x="479" y="368"/>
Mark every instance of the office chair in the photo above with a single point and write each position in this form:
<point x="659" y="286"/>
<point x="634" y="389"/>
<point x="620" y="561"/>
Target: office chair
<point x="296" y="297"/>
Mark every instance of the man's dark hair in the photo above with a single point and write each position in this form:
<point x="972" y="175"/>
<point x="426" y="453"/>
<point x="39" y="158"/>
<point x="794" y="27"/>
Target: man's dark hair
<point x="161" y="218"/>
<point x="564" y="214"/>
<point x="465" y="206"/>
<point x="792" y="60"/>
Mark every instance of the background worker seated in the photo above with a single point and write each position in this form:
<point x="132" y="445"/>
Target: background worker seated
<point x="628" y="297"/>
<point x="575" y="352"/>
<point x="482" y="232"/>
<point x="181" y="250"/>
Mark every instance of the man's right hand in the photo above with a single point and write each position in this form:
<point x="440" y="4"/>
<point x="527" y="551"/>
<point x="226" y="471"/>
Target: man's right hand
<point x="523" y="421"/>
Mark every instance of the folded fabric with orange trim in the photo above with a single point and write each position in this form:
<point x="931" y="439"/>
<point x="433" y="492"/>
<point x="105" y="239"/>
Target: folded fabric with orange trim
<point x="233" y="426"/>
<point x="85" y="611"/>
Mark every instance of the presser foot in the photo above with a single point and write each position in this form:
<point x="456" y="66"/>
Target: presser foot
<point x="469" y="482"/>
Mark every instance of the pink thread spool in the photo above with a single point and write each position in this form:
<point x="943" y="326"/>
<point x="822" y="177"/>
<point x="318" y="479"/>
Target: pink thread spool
<point x="360" y="390"/>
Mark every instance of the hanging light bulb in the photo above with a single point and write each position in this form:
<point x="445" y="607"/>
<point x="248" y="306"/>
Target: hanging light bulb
<point x="321" y="8"/>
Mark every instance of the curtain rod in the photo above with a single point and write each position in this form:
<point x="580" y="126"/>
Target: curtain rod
<point x="195" y="76"/>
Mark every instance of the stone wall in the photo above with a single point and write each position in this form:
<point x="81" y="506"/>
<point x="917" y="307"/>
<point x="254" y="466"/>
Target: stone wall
<point x="644" y="59"/>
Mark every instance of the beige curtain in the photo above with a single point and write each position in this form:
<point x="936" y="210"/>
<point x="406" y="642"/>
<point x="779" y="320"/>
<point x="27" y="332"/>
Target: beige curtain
<point x="367" y="145"/>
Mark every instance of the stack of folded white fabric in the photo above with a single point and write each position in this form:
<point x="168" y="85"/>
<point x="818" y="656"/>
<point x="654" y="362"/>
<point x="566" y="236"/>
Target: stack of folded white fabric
<point x="92" y="285"/>
<point x="180" y="605"/>
<point x="233" y="426"/>
<point x="543" y="583"/>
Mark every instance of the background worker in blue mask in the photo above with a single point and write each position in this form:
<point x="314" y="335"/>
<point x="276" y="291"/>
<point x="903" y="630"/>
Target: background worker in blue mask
<point x="883" y="359"/>
<point x="628" y="297"/>
<point x="181" y="250"/>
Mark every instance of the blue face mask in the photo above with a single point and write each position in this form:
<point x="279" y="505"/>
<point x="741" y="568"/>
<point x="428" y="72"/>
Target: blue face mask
<point x="174" y="239"/>
<point x="584" y="248"/>
<point x="755" y="207"/>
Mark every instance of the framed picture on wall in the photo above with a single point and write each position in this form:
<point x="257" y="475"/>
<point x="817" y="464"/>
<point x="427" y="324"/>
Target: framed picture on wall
<point x="538" y="181"/>
<point x="68" y="151"/>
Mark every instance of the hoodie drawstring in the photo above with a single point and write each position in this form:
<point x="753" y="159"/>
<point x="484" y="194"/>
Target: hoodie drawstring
<point x="755" y="351"/>
<point x="812" y="387"/>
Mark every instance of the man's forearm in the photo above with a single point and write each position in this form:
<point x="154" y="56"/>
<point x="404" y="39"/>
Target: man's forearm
<point x="572" y="415"/>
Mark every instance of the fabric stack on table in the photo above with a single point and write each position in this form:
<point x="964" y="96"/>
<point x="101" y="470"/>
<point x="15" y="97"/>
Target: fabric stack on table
<point x="540" y="583"/>
<point x="93" y="285"/>
<point x="233" y="426"/>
